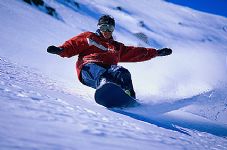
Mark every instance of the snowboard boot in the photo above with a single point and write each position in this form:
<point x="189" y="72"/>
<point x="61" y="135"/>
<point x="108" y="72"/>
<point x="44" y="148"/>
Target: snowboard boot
<point x="101" y="82"/>
<point x="130" y="93"/>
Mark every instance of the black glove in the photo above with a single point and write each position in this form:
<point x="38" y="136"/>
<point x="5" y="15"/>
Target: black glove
<point x="164" y="52"/>
<point x="54" y="50"/>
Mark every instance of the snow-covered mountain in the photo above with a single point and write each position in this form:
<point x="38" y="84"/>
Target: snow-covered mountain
<point x="183" y="96"/>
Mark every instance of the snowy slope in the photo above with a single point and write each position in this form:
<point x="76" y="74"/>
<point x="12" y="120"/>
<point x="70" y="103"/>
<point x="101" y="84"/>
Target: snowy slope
<point x="38" y="114"/>
<point x="183" y="96"/>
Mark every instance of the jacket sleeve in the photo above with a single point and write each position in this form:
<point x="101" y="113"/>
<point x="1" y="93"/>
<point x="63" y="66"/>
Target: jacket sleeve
<point x="74" y="46"/>
<point x="136" y="54"/>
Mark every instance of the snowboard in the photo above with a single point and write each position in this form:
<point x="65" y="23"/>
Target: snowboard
<point x="111" y="95"/>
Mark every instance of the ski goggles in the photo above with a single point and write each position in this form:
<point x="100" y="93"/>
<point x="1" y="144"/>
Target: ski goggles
<point x="106" y="28"/>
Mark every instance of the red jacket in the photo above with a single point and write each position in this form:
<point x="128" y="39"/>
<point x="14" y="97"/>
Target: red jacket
<point x="92" y="47"/>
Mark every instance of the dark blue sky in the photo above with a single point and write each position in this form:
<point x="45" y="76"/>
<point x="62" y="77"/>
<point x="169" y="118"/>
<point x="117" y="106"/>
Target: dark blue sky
<point x="218" y="7"/>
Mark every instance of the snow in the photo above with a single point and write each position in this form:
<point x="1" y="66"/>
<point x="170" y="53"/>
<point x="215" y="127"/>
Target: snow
<point x="183" y="96"/>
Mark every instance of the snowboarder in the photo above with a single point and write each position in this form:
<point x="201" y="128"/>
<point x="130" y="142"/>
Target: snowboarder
<point x="99" y="55"/>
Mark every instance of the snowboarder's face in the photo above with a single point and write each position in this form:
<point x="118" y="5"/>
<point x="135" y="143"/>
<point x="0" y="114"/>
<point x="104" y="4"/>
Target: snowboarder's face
<point x="107" y="35"/>
<point x="106" y="30"/>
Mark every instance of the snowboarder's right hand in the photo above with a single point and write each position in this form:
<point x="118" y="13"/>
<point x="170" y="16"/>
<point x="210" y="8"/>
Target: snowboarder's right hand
<point x="54" y="50"/>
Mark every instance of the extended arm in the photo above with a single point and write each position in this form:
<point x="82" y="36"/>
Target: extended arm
<point x="137" y="54"/>
<point x="70" y="48"/>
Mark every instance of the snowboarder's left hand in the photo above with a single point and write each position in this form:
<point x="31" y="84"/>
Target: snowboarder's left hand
<point x="164" y="51"/>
